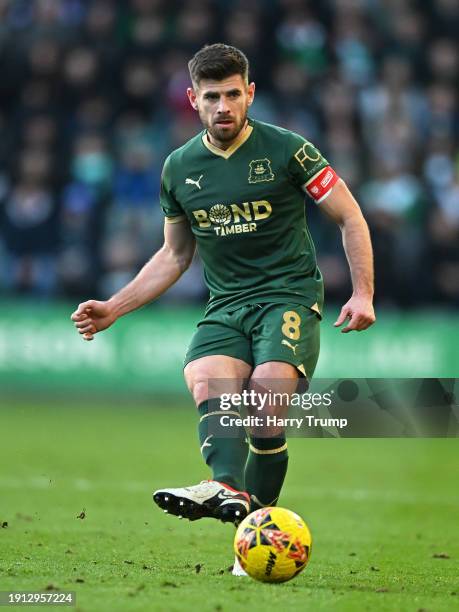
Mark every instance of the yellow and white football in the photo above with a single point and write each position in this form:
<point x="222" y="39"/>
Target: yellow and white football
<point x="273" y="544"/>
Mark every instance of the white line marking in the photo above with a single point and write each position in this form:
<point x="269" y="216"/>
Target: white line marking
<point x="386" y="496"/>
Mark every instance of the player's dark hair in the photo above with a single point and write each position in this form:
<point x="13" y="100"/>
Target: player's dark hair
<point x="218" y="62"/>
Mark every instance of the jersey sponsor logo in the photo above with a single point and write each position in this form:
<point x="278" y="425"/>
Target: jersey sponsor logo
<point x="260" y="171"/>
<point x="190" y="181"/>
<point x="233" y="218"/>
<point x="307" y="153"/>
<point x="321" y="184"/>
<point x="220" y="214"/>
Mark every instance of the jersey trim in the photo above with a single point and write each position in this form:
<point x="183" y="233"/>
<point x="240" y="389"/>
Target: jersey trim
<point x="315" y="308"/>
<point x="175" y="219"/>
<point x="226" y="154"/>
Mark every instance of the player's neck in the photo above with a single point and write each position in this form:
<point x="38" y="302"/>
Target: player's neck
<point x="227" y="144"/>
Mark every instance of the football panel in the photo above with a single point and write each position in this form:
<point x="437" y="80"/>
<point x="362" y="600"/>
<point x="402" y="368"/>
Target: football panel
<point x="264" y="563"/>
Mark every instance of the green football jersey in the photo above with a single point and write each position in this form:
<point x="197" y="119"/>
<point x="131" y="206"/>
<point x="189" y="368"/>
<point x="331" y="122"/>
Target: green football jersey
<point x="246" y="208"/>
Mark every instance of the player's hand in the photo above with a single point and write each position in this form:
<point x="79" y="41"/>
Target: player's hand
<point x="91" y="317"/>
<point x="359" y="313"/>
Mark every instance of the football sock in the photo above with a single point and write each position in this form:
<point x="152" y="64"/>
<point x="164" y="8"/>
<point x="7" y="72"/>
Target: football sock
<point x="265" y="470"/>
<point x="224" y="448"/>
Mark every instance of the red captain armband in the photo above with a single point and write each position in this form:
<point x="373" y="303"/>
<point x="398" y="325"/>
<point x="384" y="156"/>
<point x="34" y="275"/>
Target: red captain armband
<point x="321" y="184"/>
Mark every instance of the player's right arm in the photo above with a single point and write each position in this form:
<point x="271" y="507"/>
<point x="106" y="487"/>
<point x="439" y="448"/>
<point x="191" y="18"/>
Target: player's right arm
<point x="165" y="267"/>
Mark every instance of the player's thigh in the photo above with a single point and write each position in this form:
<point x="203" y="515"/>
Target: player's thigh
<point x="218" y="359"/>
<point x="286" y="334"/>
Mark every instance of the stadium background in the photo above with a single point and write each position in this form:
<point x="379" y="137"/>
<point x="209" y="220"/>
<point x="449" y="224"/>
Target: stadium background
<point x="92" y="99"/>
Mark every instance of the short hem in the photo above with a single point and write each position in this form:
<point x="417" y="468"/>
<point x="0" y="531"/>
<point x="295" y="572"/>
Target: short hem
<point x="189" y="359"/>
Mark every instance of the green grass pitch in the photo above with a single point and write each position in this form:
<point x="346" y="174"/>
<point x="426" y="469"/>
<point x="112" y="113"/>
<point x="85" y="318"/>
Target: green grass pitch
<point x="383" y="515"/>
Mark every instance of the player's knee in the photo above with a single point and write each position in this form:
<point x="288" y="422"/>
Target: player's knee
<point x="275" y="370"/>
<point x="199" y="390"/>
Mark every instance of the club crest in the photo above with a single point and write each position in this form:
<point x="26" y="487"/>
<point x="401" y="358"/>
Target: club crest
<point x="260" y="171"/>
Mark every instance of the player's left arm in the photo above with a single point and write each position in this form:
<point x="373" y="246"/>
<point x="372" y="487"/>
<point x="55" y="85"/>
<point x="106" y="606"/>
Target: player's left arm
<point x="341" y="206"/>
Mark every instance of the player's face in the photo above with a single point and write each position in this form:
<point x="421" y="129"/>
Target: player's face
<point x="222" y="107"/>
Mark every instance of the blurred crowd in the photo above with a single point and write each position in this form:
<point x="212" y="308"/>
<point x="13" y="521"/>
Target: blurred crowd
<point x="92" y="99"/>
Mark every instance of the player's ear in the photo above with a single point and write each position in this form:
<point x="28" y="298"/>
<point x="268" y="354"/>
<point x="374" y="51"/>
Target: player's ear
<point x="251" y="92"/>
<point x="190" y="92"/>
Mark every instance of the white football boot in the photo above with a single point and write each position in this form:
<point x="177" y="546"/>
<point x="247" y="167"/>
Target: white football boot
<point x="209" y="498"/>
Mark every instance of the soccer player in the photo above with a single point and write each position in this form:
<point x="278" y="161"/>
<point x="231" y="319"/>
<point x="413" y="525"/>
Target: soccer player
<point x="237" y="192"/>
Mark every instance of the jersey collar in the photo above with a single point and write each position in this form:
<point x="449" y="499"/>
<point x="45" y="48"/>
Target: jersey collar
<point x="243" y="136"/>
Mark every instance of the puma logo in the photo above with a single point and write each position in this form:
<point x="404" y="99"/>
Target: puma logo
<point x="206" y="443"/>
<point x="292" y="346"/>
<point x="190" y="181"/>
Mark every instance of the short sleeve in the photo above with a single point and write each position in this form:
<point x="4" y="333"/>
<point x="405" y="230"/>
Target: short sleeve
<point x="304" y="160"/>
<point x="171" y="208"/>
<point x="309" y="169"/>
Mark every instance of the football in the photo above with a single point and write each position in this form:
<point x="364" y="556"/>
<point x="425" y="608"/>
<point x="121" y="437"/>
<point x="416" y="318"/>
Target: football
<point x="273" y="544"/>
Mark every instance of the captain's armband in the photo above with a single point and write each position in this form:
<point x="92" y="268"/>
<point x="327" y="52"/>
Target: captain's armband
<point x="321" y="184"/>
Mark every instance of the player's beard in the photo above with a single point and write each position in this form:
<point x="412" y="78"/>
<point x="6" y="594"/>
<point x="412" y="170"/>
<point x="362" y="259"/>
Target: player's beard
<point x="225" y="135"/>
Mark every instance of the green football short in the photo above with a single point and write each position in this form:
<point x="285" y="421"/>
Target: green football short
<point x="258" y="333"/>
